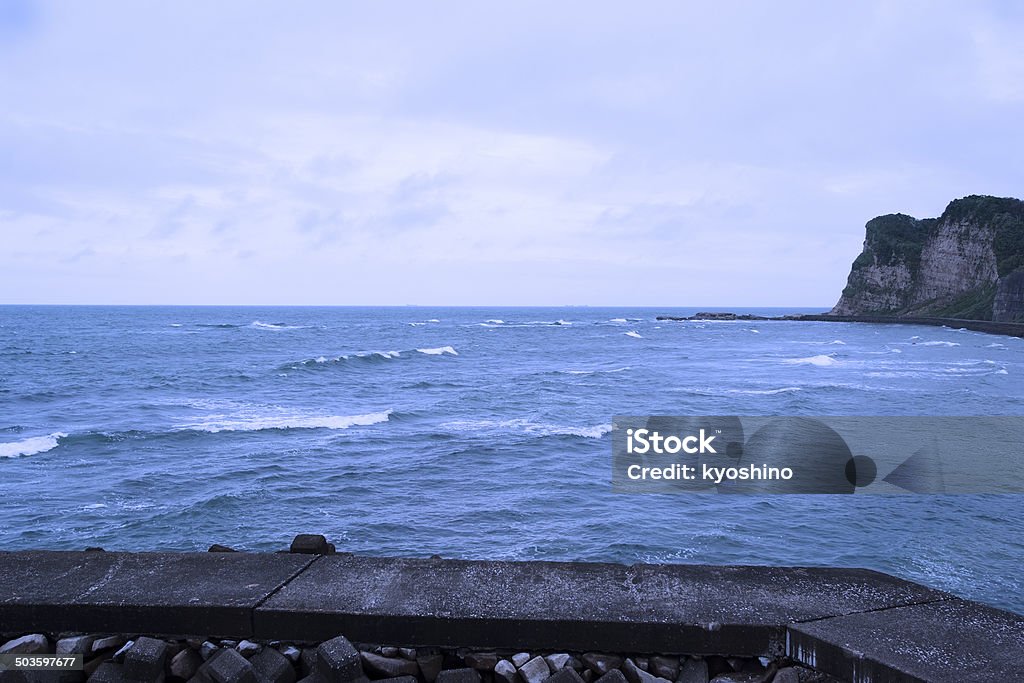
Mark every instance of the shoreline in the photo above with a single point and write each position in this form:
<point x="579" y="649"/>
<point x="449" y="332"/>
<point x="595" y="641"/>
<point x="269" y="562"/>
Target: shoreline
<point x="986" y="326"/>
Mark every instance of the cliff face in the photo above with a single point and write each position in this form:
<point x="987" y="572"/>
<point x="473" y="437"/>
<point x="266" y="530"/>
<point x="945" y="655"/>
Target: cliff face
<point x="968" y="263"/>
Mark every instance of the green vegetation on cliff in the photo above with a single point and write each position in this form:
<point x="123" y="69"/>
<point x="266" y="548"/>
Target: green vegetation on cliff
<point x="958" y="265"/>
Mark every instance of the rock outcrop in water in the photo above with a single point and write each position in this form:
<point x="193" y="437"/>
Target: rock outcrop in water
<point x="968" y="263"/>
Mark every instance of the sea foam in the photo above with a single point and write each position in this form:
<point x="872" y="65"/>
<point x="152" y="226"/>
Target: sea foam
<point x="31" y="445"/>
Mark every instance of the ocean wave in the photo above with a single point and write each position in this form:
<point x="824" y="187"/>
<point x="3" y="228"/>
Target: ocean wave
<point x="363" y="357"/>
<point x="634" y="334"/>
<point x="441" y="350"/>
<point x="260" y="325"/>
<point x="218" y="326"/>
<point x="495" y="322"/>
<point x="527" y="427"/>
<point x="594" y="372"/>
<point x="762" y="392"/>
<point x="938" y="343"/>
<point x="258" y="419"/>
<point x="618" y="320"/>
<point x="31" y="445"/>
<point x="819" y="360"/>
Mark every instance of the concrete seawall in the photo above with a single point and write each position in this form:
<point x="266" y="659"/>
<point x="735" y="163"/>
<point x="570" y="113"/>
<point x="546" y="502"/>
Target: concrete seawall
<point x="854" y="624"/>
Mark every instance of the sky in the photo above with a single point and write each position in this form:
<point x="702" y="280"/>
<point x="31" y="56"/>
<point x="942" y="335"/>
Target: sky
<point x="468" y="153"/>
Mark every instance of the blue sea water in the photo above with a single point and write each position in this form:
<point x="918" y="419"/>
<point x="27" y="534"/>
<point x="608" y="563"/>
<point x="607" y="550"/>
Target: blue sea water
<point x="473" y="433"/>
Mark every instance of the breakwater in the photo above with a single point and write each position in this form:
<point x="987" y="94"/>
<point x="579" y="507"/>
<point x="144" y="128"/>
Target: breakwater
<point x="852" y="624"/>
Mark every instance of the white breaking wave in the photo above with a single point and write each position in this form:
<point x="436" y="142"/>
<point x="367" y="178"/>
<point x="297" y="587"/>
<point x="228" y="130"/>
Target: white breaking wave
<point x="527" y="427"/>
<point x="496" y="322"/>
<point x="433" y="320"/>
<point x="594" y="372"/>
<point x="254" y="421"/>
<point x="763" y="392"/>
<point x="31" y="445"/>
<point x="634" y="334"/>
<point x="996" y="345"/>
<point x="618" y="320"/>
<point x="938" y="343"/>
<point x="439" y="351"/>
<point x="259" y="325"/>
<point x="820" y="361"/>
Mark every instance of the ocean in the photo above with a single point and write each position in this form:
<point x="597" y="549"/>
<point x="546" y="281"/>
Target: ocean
<point x="473" y="433"/>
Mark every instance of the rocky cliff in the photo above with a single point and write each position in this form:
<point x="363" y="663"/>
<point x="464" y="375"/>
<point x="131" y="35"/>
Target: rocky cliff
<point x="967" y="263"/>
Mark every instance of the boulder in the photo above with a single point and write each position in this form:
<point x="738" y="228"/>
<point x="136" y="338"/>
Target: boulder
<point x="693" y="671"/>
<point x="380" y="666"/>
<point x="74" y="645"/>
<point x="338" y="662"/>
<point x="535" y="671"/>
<point x="34" y="644"/>
<point x="430" y="666"/>
<point x="505" y="672"/>
<point x="601" y="663"/>
<point x="466" y="675"/>
<point x="227" y="666"/>
<point x="145" y="659"/>
<point x="557" y="662"/>
<point x="270" y="666"/>
<point x="185" y="664"/>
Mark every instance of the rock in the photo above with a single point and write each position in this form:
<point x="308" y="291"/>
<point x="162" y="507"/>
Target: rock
<point x="270" y="666"/>
<point x="119" y="655"/>
<point x="693" y="671"/>
<point x="467" y="675"/>
<point x="227" y="642"/>
<point x="565" y="675"/>
<point x="74" y="645"/>
<point x="635" y="674"/>
<point x="185" y="664"/>
<point x="311" y="544"/>
<point x="664" y="667"/>
<point x="557" y="662"/>
<point x="145" y="659"/>
<point x="641" y="662"/>
<point x="481" y="661"/>
<point x="505" y="672"/>
<point x="407" y="653"/>
<point x="430" y="666"/>
<point x="737" y="677"/>
<point x="787" y="675"/>
<point x="389" y="651"/>
<point x="601" y="663"/>
<point x="34" y="644"/>
<point x="229" y="667"/>
<point x="338" y="662"/>
<point x="108" y="672"/>
<point x="737" y="663"/>
<point x="535" y="671"/>
<point x="90" y="666"/>
<point x="194" y="643"/>
<point x="380" y="666"/>
<point x="218" y="548"/>
<point x="576" y="664"/>
<point x="307" y="661"/>
<point x="399" y="679"/>
<point x="960" y="265"/>
<point x="588" y="676"/>
<point x="613" y="676"/>
<point x="520" y="658"/>
<point x="207" y="649"/>
<point x="291" y="652"/>
<point x="247" y="648"/>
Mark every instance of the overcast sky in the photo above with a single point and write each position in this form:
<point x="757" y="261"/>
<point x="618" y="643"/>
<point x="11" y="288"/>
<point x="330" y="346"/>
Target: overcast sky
<point x="487" y="153"/>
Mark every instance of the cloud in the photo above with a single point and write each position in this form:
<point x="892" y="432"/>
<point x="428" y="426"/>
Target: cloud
<point x="239" y="153"/>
